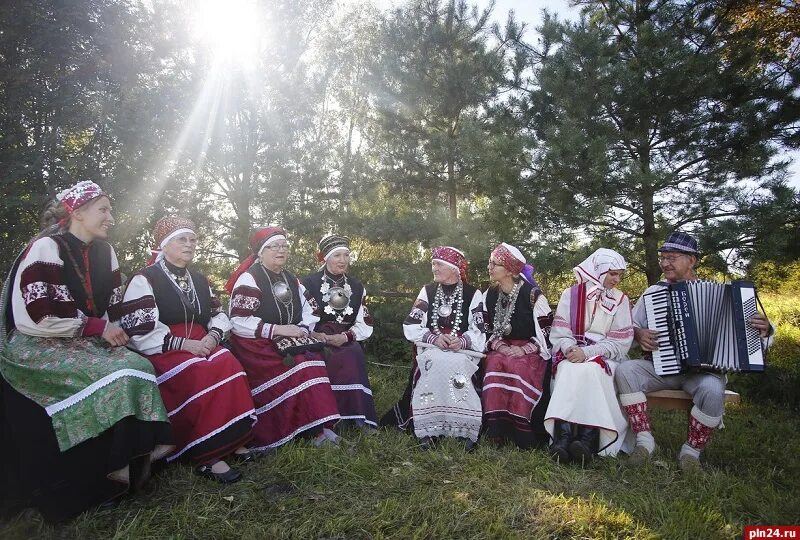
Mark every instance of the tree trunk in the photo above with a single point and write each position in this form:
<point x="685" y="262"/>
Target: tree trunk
<point x="452" y="197"/>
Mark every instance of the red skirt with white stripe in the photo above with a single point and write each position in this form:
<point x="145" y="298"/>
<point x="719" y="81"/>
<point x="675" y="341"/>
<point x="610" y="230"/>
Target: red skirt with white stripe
<point x="512" y="387"/>
<point x="289" y="399"/>
<point x="207" y="399"/>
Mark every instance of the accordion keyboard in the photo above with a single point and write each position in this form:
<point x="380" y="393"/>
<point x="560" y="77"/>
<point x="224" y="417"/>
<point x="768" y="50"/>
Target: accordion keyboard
<point x="665" y="359"/>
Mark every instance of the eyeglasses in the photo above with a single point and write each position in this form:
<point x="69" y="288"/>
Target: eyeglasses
<point x="669" y="258"/>
<point x="278" y="247"/>
<point x="186" y="240"/>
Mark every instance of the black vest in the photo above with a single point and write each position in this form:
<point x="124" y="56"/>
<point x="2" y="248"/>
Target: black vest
<point x="522" y="326"/>
<point x="272" y="310"/>
<point x="313" y="282"/>
<point x="468" y="293"/>
<point x="99" y="276"/>
<point x="173" y="306"/>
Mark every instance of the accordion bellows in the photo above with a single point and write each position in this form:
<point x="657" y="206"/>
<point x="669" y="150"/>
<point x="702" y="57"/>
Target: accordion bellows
<point x="705" y="325"/>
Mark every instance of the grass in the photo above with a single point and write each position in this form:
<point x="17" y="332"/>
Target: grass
<point x="384" y="486"/>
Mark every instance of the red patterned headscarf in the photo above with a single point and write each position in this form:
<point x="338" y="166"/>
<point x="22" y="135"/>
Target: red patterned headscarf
<point x="81" y="193"/>
<point x="259" y="239"/>
<point x="453" y="258"/>
<point x="165" y="230"/>
<point x="510" y="257"/>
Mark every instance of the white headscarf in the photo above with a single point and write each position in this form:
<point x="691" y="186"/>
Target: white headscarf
<point x="593" y="272"/>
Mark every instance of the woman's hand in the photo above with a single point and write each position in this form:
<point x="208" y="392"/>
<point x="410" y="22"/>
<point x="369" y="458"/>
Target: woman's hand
<point x="114" y="335"/>
<point x="337" y="340"/>
<point x="210" y="341"/>
<point x="196" y="347"/>
<point x="514" y="351"/>
<point x="288" y="330"/>
<point x="442" y="341"/>
<point x="575" y="354"/>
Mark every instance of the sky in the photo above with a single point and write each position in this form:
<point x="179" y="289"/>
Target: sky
<point x="530" y="12"/>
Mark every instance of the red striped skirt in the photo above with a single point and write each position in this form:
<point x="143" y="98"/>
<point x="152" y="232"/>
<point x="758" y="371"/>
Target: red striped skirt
<point x="289" y="399"/>
<point x="207" y="399"/>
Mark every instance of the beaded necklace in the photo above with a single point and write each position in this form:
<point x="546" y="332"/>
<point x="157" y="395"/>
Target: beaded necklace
<point x="443" y="307"/>
<point x="503" y="311"/>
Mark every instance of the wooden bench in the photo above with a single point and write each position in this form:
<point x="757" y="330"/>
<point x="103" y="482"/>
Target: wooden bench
<point x="679" y="400"/>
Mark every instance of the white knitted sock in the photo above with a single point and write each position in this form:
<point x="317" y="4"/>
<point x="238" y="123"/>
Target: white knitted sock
<point x="689" y="450"/>
<point x="645" y="439"/>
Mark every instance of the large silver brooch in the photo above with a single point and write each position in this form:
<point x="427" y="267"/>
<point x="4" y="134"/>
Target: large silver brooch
<point x="282" y="291"/>
<point x="445" y="310"/>
<point x="339" y="299"/>
<point x="459" y="381"/>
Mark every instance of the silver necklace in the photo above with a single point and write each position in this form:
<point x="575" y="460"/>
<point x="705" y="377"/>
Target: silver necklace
<point x="504" y="310"/>
<point x="443" y="307"/>
<point x="281" y="292"/>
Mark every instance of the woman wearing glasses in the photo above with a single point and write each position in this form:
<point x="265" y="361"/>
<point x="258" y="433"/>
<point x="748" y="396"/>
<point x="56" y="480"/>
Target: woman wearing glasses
<point x="174" y="319"/>
<point x="272" y="314"/>
<point x="516" y="364"/>
<point x="591" y="334"/>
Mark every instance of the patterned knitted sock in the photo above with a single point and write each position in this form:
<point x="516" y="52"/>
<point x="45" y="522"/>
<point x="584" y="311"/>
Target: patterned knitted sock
<point x="701" y="426"/>
<point x="635" y="406"/>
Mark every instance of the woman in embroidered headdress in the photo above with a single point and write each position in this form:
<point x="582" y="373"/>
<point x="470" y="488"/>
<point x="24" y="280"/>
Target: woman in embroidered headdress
<point x="272" y="314"/>
<point x="173" y="318"/>
<point x="446" y="324"/>
<point x="83" y="415"/>
<point x="516" y="364"/>
<point x="344" y="323"/>
<point x="591" y="334"/>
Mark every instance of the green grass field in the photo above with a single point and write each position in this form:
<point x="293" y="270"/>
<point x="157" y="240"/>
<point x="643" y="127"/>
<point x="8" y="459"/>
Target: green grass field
<point x="384" y="486"/>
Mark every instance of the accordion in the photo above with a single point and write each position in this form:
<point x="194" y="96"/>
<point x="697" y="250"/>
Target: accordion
<point x="704" y="325"/>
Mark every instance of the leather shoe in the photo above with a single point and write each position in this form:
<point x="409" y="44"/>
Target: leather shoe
<point x="228" y="477"/>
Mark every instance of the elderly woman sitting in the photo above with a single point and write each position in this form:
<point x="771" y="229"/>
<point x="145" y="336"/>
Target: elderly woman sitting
<point x="516" y="364"/>
<point x="174" y="319"/>
<point x="272" y="314"/>
<point x="446" y="324"/>
<point x="344" y="323"/>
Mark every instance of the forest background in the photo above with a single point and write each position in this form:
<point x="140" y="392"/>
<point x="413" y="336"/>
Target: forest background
<point x="423" y="123"/>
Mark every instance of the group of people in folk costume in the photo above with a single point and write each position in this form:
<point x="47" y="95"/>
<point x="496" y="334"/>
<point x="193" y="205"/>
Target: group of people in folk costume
<point x="100" y="380"/>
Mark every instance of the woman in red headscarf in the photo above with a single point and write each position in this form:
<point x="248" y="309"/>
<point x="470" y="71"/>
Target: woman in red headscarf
<point x="272" y="314"/>
<point x="82" y="415"/>
<point x="446" y="325"/>
<point x="517" y="361"/>
<point x="174" y="319"/>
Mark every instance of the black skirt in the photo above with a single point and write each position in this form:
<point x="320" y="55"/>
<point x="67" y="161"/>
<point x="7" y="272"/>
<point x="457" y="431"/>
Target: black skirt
<point x="61" y="485"/>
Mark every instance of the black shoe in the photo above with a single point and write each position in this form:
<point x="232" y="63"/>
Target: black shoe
<point x="427" y="443"/>
<point x="469" y="444"/>
<point x="559" y="450"/>
<point x="582" y="448"/>
<point x="249" y="457"/>
<point x="228" y="477"/>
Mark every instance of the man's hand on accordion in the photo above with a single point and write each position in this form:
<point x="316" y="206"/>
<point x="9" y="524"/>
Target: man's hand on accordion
<point x="646" y="338"/>
<point x="760" y="322"/>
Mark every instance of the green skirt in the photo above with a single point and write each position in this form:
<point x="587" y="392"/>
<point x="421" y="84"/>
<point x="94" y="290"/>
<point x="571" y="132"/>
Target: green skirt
<point x="84" y="386"/>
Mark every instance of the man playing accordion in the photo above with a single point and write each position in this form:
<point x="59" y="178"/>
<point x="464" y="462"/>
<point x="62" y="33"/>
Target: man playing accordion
<point x="634" y="378"/>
